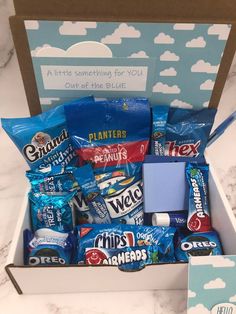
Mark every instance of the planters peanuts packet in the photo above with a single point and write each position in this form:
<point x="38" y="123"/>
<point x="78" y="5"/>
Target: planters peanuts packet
<point x="47" y="247"/>
<point x="121" y="236"/>
<point x="112" y="134"/>
<point x="43" y="140"/>
<point x="187" y="131"/>
<point x="51" y="211"/>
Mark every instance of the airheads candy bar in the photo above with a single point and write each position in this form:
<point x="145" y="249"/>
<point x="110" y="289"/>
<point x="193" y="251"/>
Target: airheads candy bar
<point x="43" y="140"/>
<point x="128" y="258"/>
<point x="124" y="200"/>
<point x="187" y="131"/>
<point x="159" y="121"/>
<point x="198" y="244"/>
<point x="97" y="206"/>
<point x="120" y="236"/>
<point x="51" y="211"/>
<point x="198" y="212"/>
<point x="47" y="247"/>
<point x="110" y="135"/>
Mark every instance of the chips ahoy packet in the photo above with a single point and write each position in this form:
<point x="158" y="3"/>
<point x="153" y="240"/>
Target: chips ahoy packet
<point x="43" y="140"/>
<point x="51" y="211"/>
<point x="198" y="212"/>
<point x="112" y="134"/>
<point x="48" y="247"/>
<point x="159" y="121"/>
<point x="128" y="258"/>
<point x="98" y="209"/>
<point x="112" y="236"/>
<point x="187" y="131"/>
<point x="198" y="244"/>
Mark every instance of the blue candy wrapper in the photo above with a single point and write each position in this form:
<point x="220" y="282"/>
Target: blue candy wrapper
<point x="129" y="258"/>
<point x="159" y="121"/>
<point x="47" y="247"/>
<point x="97" y="206"/>
<point x="198" y="244"/>
<point x="187" y="131"/>
<point x="121" y="236"/>
<point x="43" y="140"/>
<point x="51" y="211"/>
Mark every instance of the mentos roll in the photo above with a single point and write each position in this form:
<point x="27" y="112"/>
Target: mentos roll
<point x="198" y="212"/>
<point x="198" y="244"/>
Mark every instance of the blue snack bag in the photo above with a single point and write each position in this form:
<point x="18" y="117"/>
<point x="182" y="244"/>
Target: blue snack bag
<point x="98" y="209"/>
<point x="129" y="258"/>
<point x="47" y="247"/>
<point x="198" y="244"/>
<point x="112" y="236"/>
<point x="199" y="219"/>
<point x="187" y="131"/>
<point x="112" y="134"/>
<point x="51" y="211"/>
<point x="159" y="121"/>
<point x="43" y="140"/>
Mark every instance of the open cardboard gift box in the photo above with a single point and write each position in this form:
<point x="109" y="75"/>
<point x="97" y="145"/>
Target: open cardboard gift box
<point x="200" y="35"/>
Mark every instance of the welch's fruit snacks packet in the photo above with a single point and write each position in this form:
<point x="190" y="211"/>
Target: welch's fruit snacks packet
<point x="120" y="236"/>
<point x="199" y="219"/>
<point x="187" y="131"/>
<point x="112" y="134"/>
<point x="43" y="140"/>
<point x="47" y="247"/>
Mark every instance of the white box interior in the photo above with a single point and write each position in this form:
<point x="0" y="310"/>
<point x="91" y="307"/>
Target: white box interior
<point x="103" y="278"/>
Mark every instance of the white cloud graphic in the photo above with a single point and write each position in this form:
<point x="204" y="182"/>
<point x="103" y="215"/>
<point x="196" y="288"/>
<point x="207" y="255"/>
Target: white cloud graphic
<point x="218" y="283"/>
<point x="34" y="25"/>
<point x="207" y="85"/>
<point x="139" y="54"/>
<point x="84" y="49"/>
<point x="159" y="87"/>
<point x="168" y="72"/>
<point x="198" y="42"/>
<point x="205" y="105"/>
<point x="204" y="67"/>
<point x="163" y="38"/>
<point x="184" y="26"/>
<point x="169" y="56"/>
<point x="233" y="298"/>
<point x="198" y="309"/>
<point x="180" y="104"/>
<point x="214" y="261"/>
<point x="221" y="30"/>
<point x="47" y="101"/>
<point x="123" y="31"/>
<point x="76" y="28"/>
<point x="191" y="294"/>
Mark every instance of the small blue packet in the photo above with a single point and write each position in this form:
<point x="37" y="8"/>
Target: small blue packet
<point x="112" y="236"/>
<point x="52" y="179"/>
<point x="187" y="131"/>
<point x="124" y="200"/>
<point x="159" y="121"/>
<point x="48" y="247"/>
<point x="51" y="211"/>
<point x="43" y="140"/>
<point x="199" y="219"/>
<point x="197" y="244"/>
<point x="129" y="258"/>
<point x="92" y="194"/>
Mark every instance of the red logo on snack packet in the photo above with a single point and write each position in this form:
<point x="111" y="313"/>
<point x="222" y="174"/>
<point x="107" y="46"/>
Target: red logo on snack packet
<point x="190" y="150"/>
<point x="199" y="224"/>
<point x="94" y="256"/>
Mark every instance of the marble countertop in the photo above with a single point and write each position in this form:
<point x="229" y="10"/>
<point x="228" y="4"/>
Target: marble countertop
<point x="12" y="189"/>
